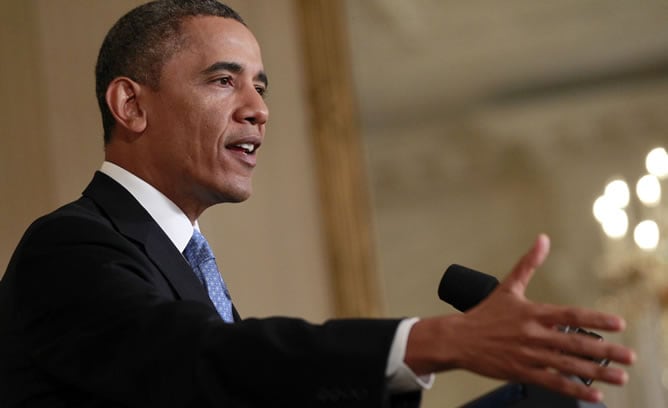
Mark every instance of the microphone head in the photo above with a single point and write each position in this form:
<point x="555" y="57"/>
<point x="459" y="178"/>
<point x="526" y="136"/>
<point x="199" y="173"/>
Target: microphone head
<point x="463" y="288"/>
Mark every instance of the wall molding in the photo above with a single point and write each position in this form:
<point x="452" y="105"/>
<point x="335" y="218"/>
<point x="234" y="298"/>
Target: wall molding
<point x="341" y="173"/>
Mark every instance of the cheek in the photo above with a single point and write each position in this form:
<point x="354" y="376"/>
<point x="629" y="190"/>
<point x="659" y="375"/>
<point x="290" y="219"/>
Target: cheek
<point x="200" y="129"/>
<point x="212" y="134"/>
<point x="198" y="133"/>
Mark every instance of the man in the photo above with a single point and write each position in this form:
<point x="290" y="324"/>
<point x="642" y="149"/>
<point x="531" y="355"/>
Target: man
<point x="106" y="302"/>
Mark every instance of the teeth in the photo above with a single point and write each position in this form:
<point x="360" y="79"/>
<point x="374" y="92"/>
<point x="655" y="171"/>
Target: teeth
<point x="248" y="147"/>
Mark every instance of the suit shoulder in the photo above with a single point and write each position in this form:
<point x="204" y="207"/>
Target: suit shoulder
<point x="81" y="216"/>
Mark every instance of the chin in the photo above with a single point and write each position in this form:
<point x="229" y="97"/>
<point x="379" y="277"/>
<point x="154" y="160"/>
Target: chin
<point x="229" y="190"/>
<point x="238" y="198"/>
<point x="237" y="195"/>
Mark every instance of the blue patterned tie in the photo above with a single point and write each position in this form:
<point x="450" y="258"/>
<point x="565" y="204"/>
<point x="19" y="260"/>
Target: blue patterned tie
<point x="200" y="257"/>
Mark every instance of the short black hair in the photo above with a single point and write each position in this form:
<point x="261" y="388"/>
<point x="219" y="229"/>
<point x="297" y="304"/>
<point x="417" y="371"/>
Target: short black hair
<point x="141" y="41"/>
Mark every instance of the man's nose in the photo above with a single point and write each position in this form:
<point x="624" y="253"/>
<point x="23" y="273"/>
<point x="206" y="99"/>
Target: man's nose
<point x="253" y="108"/>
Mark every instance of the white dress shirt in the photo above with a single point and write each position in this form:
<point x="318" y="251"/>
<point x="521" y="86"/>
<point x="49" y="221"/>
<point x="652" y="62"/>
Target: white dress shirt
<point x="179" y="229"/>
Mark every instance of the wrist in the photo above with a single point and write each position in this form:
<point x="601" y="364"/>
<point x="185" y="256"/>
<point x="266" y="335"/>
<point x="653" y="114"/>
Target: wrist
<point x="433" y="345"/>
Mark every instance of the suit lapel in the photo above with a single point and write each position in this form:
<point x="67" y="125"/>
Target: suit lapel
<point x="132" y="220"/>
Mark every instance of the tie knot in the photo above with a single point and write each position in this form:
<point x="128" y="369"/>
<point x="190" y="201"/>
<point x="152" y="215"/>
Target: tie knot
<point x="198" y="249"/>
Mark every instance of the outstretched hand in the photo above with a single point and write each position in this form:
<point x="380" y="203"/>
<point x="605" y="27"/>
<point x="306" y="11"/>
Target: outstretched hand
<point x="511" y="338"/>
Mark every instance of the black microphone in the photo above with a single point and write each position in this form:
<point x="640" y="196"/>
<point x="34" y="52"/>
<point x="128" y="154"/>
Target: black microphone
<point x="463" y="288"/>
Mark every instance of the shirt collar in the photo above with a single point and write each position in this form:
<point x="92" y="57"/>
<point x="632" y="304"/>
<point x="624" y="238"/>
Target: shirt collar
<point x="168" y="215"/>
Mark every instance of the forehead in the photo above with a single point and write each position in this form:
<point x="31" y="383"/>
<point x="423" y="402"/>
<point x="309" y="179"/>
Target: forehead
<point x="210" y="39"/>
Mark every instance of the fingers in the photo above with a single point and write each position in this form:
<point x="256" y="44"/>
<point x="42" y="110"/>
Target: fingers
<point x="582" y="345"/>
<point x="559" y="372"/>
<point x="548" y="347"/>
<point x="519" y="278"/>
<point x="552" y="315"/>
<point x="580" y="364"/>
<point x="564" y="385"/>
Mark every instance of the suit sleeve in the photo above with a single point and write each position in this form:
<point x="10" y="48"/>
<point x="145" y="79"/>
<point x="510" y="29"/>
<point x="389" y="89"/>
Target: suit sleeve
<point x="97" y="320"/>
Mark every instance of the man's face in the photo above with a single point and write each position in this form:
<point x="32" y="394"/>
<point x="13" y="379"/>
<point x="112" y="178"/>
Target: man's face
<point x="207" y="118"/>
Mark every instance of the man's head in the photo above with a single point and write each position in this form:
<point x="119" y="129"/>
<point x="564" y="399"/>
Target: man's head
<point x="141" y="41"/>
<point x="194" y="133"/>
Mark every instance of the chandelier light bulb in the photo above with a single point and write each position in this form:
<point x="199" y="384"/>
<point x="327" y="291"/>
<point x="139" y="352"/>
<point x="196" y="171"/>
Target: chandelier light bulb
<point x="649" y="190"/>
<point x="602" y="208"/>
<point x="617" y="193"/>
<point x="657" y="162"/>
<point x="646" y="235"/>
<point x="616" y="223"/>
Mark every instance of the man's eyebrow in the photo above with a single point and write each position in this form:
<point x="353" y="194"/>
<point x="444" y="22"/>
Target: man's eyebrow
<point x="234" y="68"/>
<point x="262" y="77"/>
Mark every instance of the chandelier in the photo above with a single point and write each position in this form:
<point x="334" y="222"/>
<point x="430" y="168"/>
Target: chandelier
<point x="633" y="270"/>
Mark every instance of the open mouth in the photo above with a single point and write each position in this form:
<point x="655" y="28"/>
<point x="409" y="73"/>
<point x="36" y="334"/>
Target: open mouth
<point x="248" y="148"/>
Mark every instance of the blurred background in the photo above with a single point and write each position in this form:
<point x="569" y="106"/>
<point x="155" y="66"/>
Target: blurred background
<point x="487" y="122"/>
<point x="479" y="125"/>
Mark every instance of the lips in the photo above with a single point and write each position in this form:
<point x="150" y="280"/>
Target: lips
<point x="248" y="148"/>
<point x="245" y="149"/>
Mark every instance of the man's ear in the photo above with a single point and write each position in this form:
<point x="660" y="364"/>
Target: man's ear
<point x="124" y="103"/>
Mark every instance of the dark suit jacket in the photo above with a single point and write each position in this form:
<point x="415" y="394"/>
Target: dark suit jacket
<point x="99" y="309"/>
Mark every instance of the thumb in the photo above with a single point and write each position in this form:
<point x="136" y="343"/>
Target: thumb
<point x="519" y="278"/>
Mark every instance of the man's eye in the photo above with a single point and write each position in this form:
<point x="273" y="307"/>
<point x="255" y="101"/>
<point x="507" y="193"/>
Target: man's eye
<point x="224" y="80"/>
<point x="261" y="90"/>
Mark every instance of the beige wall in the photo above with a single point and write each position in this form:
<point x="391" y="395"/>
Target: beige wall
<point x="25" y="178"/>
<point x="269" y="248"/>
